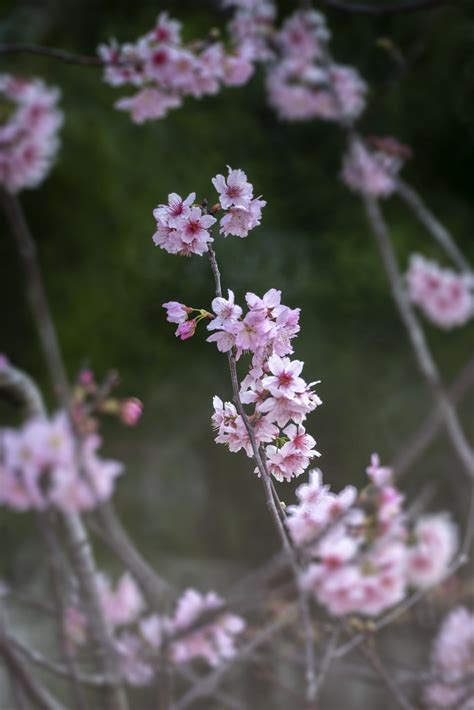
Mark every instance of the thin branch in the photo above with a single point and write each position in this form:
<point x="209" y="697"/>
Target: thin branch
<point x="31" y="686"/>
<point x="83" y="559"/>
<point x="55" y="572"/>
<point x="207" y="685"/>
<point x="52" y="53"/>
<point x="386" y="677"/>
<point x="400" y="609"/>
<point x="428" y="430"/>
<point x="153" y="586"/>
<point x="57" y="669"/>
<point x="36" y="295"/>
<point x="270" y="500"/>
<point x="417" y="338"/>
<point x="377" y="10"/>
<point x="433" y="225"/>
<point x="156" y="590"/>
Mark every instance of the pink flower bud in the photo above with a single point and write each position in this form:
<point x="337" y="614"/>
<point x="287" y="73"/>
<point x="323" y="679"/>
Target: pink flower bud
<point x="131" y="411"/>
<point x="3" y="361"/>
<point x="186" y="330"/>
<point x="86" y="377"/>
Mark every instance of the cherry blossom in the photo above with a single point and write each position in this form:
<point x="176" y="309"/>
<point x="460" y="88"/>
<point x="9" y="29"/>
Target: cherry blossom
<point x="41" y="465"/>
<point x="371" y="172"/>
<point x="445" y="297"/>
<point x="362" y="558"/>
<point x="28" y="133"/>
<point x="451" y="661"/>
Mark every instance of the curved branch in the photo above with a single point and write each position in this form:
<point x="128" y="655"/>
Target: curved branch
<point x="377" y="10"/>
<point x="52" y="53"/>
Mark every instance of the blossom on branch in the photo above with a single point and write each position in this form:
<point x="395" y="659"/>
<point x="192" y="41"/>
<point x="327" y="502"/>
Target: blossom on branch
<point x="42" y="466"/>
<point x="451" y="662"/>
<point x="29" y="125"/>
<point x="364" y="555"/>
<point x="445" y="297"/>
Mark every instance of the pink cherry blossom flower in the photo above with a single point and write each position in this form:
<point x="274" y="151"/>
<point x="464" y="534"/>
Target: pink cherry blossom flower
<point x="176" y="312"/>
<point x="148" y="104"/>
<point x="169" y="215"/>
<point x="284" y="379"/>
<point x="369" y="172"/>
<point x="130" y="411"/>
<point x="29" y="135"/>
<point x="435" y="547"/>
<point x="234" y="190"/>
<point x="451" y="661"/>
<point x="379" y="475"/>
<point x="186" y="330"/>
<point x="122" y="605"/>
<point x="445" y="297"/>
<point x="239" y="221"/>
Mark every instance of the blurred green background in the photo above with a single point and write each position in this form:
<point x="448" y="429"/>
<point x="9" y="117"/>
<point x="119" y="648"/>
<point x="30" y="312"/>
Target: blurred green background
<point x="195" y="509"/>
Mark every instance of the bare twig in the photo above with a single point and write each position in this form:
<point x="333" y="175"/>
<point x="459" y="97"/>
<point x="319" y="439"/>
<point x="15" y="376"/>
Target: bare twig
<point x="155" y="589"/>
<point x="57" y="669"/>
<point x="83" y="558"/>
<point x="387" y="678"/>
<point x="52" y="53"/>
<point x="429" y="429"/>
<point x="417" y="338"/>
<point x="380" y="9"/>
<point x="39" y="696"/>
<point x="433" y="225"/>
<point x="207" y="685"/>
<point x="270" y="500"/>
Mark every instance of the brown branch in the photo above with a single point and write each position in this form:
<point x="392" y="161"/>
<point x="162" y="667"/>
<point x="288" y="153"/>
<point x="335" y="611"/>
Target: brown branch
<point x="84" y="562"/>
<point x="433" y="225"/>
<point x="52" y="53"/>
<point x="428" y="430"/>
<point x="264" y="474"/>
<point x="38" y="695"/>
<point x="387" y="678"/>
<point x="36" y="295"/>
<point x="417" y="338"/>
<point x="378" y="10"/>
<point x="207" y="685"/>
<point x="152" y="585"/>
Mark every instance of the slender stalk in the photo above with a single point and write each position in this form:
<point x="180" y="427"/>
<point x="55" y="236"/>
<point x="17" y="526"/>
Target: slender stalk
<point x="378" y="9"/>
<point x="429" y="429"/>
<point x="55" y="572"/>
<point x="387" y="678"/>
<point x="37" y="296"/>
<point x="82" y="555"/>
<point x="433" y="225"/>
<point x="311" y="686"/>
<point x="51" y="52"/>
<point x="417" y="338"/>
<point x="32" y="688"/>
<point x="207" y="685"/>
<point x="114" y="533"/>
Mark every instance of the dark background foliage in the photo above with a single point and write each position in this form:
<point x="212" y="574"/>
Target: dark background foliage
<point x="190" y="503"/>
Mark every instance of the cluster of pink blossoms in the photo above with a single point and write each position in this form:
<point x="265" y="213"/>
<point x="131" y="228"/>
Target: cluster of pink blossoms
<point x="452" y="662"/>
<point x="364" y="553"/>
<point x="445" y="297"/>
<point x="252" y="26"/>
<point x="303" y="83"/>
<point x="165" y="70"/>
<point x="280" y="397"/>
<point x="28" y="131"/>
<point x="184" y="228"/>
<point x="41" y="465"/>
<point x="139" y="639"/>
<point x="373" y="172"/>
